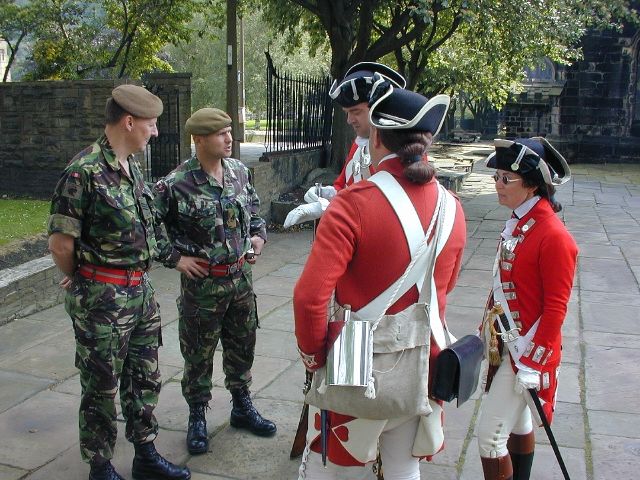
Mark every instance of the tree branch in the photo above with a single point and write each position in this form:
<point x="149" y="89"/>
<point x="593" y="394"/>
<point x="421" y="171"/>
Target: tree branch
<point x="390" y="40"/>
<point x="12" y="56"/>
<point x="311" y="6"/>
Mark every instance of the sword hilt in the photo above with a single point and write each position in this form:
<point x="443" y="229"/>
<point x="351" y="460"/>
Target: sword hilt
<point x="510" y="334"/>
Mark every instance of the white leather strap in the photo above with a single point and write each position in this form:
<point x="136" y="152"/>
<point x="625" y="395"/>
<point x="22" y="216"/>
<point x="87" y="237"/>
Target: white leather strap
<point x="415" y="236"/>
<point x="518" y="346"/>
<point x="349" y="171"/>
<point x="401" y="204"/>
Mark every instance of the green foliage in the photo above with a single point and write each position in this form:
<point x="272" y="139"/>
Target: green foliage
<point x="74" y="39"/>
<point x="21" y="219"/>
<point x="205" y="57"/>
<point x="480" y="47"/>
<point x="17" y="22"/>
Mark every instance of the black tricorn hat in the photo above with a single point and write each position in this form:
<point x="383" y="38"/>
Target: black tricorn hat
<point x="356" y="85"/>
<point x="527" y="156"/>
<point x="399" y="109"/>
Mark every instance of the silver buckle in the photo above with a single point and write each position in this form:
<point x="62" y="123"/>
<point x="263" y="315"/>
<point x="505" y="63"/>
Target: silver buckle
<point x="233" y="268"/>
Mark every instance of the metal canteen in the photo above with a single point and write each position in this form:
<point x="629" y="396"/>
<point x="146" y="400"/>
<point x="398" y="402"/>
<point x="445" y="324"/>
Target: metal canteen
<point x="348" y="357"/>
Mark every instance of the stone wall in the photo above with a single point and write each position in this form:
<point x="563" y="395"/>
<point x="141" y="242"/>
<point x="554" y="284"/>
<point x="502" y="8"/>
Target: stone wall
<point x="29" y="288"/>
<point x="44" y="124"/>
<point x="597" y="104"/>
<point x="280" y="172"/>
<point x="597" y="96"/>
<point x="527" y="119"/>
<point x="594" y="118"/>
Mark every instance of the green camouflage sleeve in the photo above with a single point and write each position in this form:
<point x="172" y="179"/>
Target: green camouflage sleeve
<point x="257" y="224"/>
<point x="69" y="202"/>
<point x="167" y="253"/>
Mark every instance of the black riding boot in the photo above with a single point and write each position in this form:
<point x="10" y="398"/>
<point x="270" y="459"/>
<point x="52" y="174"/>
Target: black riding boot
<point x="245" y="415"/>
<point x="197" y="438"/>
<point x="104" y="471"/>
<point x="148" y="464"/>
<point x="521" y="449"/>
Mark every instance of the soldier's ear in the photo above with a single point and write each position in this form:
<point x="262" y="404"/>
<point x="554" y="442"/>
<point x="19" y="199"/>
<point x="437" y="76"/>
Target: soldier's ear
<point x="127" y="122"/>
<point x="374" y="138"/>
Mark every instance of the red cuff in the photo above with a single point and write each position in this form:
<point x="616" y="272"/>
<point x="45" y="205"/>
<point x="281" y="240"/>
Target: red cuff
<point x="313" y="361"/>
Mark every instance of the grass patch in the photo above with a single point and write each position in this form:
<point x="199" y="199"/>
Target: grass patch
<point x="20" y="219"/>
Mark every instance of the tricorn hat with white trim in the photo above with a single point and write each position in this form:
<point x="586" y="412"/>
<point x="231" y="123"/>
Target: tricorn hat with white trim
<point x="400" y="109"/>
<point x="356" y="85"/>
<point x="527" y="156"/>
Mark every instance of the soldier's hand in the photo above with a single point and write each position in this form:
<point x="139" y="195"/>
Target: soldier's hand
<point x="257" y="243"/>
<point x="190" y="267"/>
<point x="312" y="195"/>
<point x="527" y="378"/>
<point x="305" y="213"/>
<point x="66" y="282"/>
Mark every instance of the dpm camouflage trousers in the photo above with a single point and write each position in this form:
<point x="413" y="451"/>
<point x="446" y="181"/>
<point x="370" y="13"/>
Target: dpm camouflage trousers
<point x="117" y="330"/>
<point x="212" y="309"/>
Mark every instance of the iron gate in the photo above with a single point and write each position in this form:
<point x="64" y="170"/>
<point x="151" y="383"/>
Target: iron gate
<point x="163" y="152"/>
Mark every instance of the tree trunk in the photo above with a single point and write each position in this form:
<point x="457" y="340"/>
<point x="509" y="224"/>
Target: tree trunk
<point x="342" y="136"/>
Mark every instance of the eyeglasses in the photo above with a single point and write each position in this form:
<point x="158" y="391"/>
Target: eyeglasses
<point x="506" y="180"/>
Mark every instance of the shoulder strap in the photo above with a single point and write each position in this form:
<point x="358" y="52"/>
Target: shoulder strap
<point x="418" y="267"/>
<point x="401" y="204"/>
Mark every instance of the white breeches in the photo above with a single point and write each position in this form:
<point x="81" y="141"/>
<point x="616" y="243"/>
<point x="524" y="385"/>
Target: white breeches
<point x="503" y="411"/>
<point x="395" y="451"/>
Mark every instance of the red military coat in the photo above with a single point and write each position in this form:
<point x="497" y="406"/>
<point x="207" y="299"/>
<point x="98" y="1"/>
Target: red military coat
<point x="541" y="276"/>
<point x="346" y="177"/>
<point x="360" y="250"/>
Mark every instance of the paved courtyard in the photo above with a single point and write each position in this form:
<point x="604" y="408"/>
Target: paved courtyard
<point x="597" y="422"/>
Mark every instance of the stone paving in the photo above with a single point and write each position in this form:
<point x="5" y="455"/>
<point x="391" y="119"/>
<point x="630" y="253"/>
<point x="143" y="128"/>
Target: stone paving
<point x="597" y="423"/>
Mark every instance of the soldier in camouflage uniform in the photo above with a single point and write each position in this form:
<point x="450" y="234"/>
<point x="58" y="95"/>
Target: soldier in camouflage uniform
<point x="210" y="210"/>
<point x="103" y="237"/>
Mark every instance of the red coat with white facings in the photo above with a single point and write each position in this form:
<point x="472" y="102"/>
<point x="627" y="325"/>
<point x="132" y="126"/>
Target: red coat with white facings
<point x="343" y="181"/>
<point x="542" y="273"/>
<point x="360" y="249"/>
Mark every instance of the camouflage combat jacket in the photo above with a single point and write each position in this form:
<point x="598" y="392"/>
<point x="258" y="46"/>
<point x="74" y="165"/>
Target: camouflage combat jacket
<point x="109" y="215"/>
<point x="203" y="218"/>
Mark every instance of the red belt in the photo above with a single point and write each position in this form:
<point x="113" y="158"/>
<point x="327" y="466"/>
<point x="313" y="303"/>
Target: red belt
<point x="224" y="269"/>
<point x="117" y="276"/>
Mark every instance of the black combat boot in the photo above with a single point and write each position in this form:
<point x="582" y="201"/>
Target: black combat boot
<point x="148" y="464"/>
<point x="245" y="415"/>
<point x="197" y="438"/>
<point x="103" y="471"/>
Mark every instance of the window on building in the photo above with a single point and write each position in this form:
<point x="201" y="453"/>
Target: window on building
<point x="1" y="55"/>
<point x="543" y="72"/>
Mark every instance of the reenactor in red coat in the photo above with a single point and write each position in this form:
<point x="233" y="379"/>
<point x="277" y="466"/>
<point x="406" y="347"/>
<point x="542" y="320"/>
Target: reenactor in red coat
<point x="533" y="277"/>
<point x="361" y="249"/>
<point x="352" y="94"/>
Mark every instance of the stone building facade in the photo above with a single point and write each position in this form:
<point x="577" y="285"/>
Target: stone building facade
<point x="590" y="110"/>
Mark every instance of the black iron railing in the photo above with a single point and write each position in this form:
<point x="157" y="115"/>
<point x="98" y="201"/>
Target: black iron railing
<point x="299" y="110"/>
<point x="163" y="152"/>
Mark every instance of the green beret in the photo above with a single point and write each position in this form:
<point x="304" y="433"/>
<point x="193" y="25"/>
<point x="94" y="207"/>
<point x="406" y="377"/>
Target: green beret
<point x="206" y="121"/>
<point x="137" y="101"/>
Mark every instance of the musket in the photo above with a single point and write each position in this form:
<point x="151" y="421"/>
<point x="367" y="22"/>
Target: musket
<point x="300" y="440"/>
<point x="315" y="222"/>
<point x="323" y="436"/>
